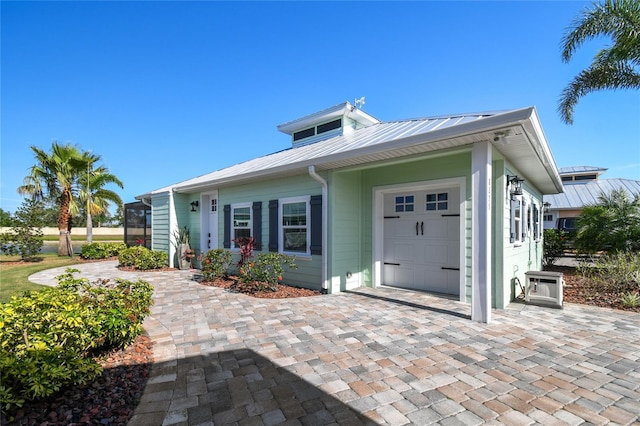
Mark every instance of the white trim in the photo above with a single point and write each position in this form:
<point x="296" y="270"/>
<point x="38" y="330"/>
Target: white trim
<point x="481" y="234"/>
<point x="378" y="222"/>
<point x="205" y="226"/>
<point x="301" y="199"/>
<point x="232" y="228"/>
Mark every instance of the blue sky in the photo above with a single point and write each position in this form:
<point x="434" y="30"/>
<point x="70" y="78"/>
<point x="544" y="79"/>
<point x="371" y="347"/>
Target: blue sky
<point x="166" y="91"/>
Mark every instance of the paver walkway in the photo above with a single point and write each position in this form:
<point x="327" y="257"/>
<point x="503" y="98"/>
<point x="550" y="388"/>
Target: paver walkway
<point x="378" y="356"/>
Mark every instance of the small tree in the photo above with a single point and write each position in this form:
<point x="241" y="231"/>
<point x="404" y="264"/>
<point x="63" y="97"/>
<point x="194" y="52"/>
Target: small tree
<point x="25" y="237"/>
<point x="553" y="247"/>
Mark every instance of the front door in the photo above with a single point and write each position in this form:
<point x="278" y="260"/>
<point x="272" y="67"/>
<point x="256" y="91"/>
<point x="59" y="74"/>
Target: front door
<point x="422" y="240"/>
<point x="209" y="240"/>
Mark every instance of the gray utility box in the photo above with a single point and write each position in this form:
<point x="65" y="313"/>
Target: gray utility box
<point x="544" y="288"/>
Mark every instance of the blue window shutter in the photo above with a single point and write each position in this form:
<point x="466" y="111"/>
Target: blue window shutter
<point x="227" y="226"/>
<point x="273" y="225"/>
<point x="535" y="221"/>
<point x="316" y="224"/>
<point x="257" y="225"/>
<point x="513" y="221"/>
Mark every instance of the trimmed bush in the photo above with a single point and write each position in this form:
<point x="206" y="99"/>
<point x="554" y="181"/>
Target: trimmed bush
<point x="216" y="264"/>
<point x="48" y="337"/>
<point x="102" y="250"/>
<point x="142" y="258"/>
<point x="266" y="270"/>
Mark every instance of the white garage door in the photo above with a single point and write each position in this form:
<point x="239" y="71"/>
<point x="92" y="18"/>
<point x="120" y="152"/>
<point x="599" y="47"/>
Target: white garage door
<point x="422" y="240"/>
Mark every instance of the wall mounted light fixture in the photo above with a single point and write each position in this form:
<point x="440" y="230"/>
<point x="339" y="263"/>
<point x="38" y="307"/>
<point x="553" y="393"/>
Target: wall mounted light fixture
<point x="194" y="206"/>
<point x="516" y="181"/>
<point x="547" y="206"/>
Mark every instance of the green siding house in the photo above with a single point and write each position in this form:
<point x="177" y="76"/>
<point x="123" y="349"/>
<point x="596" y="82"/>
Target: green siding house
<point x="449" y="204"/>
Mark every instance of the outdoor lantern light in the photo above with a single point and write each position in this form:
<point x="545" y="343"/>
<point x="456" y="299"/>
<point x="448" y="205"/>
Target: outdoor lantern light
<point x="547" y="206"/>
<point x="194" y="206"/>
<point x="516" y="181"/>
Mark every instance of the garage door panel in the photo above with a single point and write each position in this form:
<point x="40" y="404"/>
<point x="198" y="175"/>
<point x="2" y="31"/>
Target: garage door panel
<point x="419" y="245"/>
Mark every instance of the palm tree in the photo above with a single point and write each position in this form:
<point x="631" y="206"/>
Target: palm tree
<point x="92" y="193"/>
<point x="55" y="174"/>
<point x="613" y="67"/>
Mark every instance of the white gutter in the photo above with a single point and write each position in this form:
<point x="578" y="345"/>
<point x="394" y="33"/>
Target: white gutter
<point x="325" y="221"/>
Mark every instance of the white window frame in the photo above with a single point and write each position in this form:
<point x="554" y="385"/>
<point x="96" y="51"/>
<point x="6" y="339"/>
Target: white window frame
<point x="538" y="224"/>
<point x="518" y="222"/>
<point x="281" y="227"/>
<point x="233" y="228"/>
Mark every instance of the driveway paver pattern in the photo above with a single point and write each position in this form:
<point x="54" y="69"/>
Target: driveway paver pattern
<point x="377" y="356"/>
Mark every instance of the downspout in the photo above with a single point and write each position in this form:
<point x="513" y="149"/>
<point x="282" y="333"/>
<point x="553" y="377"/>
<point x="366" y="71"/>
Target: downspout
<point x="325" y="221"/>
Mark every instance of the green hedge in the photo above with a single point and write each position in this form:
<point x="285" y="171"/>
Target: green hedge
<point x="142" y="258"/>
<point x="102" y="250"/>
<point x="48" y="338"/>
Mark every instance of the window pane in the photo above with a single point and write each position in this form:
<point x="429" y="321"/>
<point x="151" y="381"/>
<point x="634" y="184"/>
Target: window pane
<point x="295" y="239"/>
<point x="241" y="233"/>
<point x="443" y="197"/>
<point x="409" y="207"/>
<point x="294" y="214"/>
<point x="241" y="217"/>
<point x="399" y="200"/>
<point x="443" y="206"/>
<point x="399" y="208"/>
<point x="431" y="197"/>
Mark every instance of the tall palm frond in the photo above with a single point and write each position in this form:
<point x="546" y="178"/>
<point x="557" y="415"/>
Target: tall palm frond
<point x="613" y="67"/>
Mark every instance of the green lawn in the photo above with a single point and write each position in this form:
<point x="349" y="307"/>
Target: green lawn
<point x="13" y="275"/>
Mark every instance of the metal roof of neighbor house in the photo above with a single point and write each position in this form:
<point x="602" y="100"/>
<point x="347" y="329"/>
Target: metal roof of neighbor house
<point x="581" y="169"/>
<point x="578" y="195"/>
<point x="517" y="134"/>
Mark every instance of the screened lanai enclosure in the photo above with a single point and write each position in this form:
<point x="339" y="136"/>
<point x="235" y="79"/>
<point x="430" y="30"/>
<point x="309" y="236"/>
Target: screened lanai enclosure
<point x="137" y="224"/>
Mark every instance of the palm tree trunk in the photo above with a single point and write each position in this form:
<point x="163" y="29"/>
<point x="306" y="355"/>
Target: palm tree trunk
<point x="89" y="228"/>
<point x="64" y="225"/>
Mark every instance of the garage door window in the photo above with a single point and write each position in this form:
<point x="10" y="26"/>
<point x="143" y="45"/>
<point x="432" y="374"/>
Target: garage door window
<point x="437" y="201"/>
<point x="404" y="203"/>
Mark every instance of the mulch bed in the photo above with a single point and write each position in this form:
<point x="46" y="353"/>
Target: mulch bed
<point x="283" y="291"/>
<point x="110" y="400"/>
<point x="583" y="291"/>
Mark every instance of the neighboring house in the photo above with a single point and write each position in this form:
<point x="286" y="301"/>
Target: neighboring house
<point x="449" y="204"/>
<point x="582" y="187"/>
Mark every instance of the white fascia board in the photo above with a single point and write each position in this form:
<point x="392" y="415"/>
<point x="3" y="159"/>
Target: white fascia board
<point x="538" y="140"/>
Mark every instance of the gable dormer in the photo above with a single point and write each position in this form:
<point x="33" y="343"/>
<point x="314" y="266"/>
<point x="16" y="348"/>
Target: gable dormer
<point x="335" y="121"/>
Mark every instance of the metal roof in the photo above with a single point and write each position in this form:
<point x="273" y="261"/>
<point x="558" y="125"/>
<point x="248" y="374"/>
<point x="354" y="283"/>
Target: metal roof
<point x="581" y="169"/>
<point x="578" y="195"/>
<point x="517" y="134"/>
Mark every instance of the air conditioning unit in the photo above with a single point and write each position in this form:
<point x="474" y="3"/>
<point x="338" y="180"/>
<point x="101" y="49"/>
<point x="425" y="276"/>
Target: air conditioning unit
<point x="544" y="288"/>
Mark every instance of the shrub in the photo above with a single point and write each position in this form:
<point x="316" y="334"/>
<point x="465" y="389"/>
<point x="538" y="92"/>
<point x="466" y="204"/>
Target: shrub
<point x="120" y="307"/>
<point x="611" y="225"/>
<point x="266" y="270"/>
<point x="630" y="300"/>
<point x="553" y="247"/>
<point x="47" y="337"/>
<point x="618" y="272"/>
<point x="142" y="258"/>
<point x="102" y="250"/>
<point x="216" y="264"/>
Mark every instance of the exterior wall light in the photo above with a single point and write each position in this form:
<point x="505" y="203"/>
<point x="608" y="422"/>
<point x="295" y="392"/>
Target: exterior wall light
<point x="547" y="206"/>
<point x="516" y="181"/>
<point x="194" y="206"/>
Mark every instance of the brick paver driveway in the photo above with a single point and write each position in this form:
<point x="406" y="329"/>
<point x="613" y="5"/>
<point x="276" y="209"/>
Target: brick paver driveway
<point x="380" y="356"/>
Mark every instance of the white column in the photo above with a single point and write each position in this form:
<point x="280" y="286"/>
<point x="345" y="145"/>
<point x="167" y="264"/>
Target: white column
<point x="481" y="232"/>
